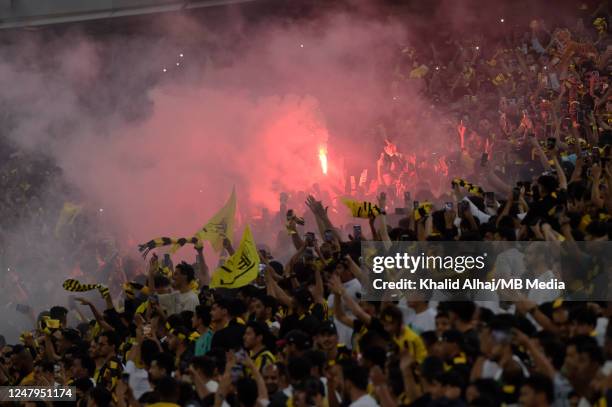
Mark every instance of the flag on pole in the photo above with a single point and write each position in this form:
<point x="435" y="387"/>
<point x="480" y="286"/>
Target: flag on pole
<point x="241" y="268"/>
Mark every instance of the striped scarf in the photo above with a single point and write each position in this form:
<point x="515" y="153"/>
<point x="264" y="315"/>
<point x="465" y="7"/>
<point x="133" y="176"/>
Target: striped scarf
<point x="74" y="285"/>
<point x="471" y="188"/>
<point x="176" y="243"/>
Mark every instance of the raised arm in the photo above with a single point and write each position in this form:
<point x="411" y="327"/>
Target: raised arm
<point x="596" y="198"/>
<point x="99" y="318"/>
<point x="262" y="390"/>
<point x="320" y="214"/>
<point x="540" y="360"/>
<point x="274" y="290"/>
<point x="383" y="232"/>
<point x="353" y="306"/>
<point x="356" y="270"/>
<point x="336" y="287"/>
<point x="153" y="267"/>
<point x="318" y="291"/>
<point x="204" y="274"/>
<point x="560" y="173"/>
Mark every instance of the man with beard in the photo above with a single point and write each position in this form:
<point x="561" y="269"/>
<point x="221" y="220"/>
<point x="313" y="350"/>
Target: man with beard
<point x="83" y="367"/>
<point x="355" y="386"/>
<point x="187" y="298"/>
<point x="326" y="341"/>
<point x="583" y="361"/>
<point x="107" y="376"/>
<point x="275" y="377"/>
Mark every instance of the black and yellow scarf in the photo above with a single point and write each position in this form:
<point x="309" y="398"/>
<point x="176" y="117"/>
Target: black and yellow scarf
<point x="471" y="188"/>
<point x="145" y="248"/>
<point x="73" y="285"/>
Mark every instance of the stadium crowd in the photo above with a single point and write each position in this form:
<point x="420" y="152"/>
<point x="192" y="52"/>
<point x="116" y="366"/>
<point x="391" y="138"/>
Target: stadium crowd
<point x="533" y="122"/>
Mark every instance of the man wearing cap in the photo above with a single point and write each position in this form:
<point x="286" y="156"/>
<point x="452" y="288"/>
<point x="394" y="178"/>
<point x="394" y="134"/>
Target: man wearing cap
<point x="326" y="341"/>
<point x="296" y="342"/>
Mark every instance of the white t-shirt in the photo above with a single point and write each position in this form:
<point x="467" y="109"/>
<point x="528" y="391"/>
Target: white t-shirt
<point x="139" y="379"/>
<point x="176" y="302"/>
<point x="542" y="296"/>
<point x="424" y="321"/>
<point x="364" y="401"/>
<point x="346" y="332"/>
<point x="492" y="370"/>
<point x="188" y="301"/>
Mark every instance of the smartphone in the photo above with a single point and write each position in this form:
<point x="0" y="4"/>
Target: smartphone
<point x="167" y="262"/>
<point x="415" y="204"/>
<point x="595" y="154"/>
<point x="23" y="308"/>
<point x="407" y="198"/>
<point x="146" y="330"/>
<point x="309" y="254"/>
<point x="290" y="214"/>
<point x="52" y="323"/>
<point x="328" y="235"/>
<point x="448" y="206"/>
<point x="551" y="142"/>
<point x="357" y="232"/>
<point x="515" y="193"/>
<point x="585" y="153"/>
<point x="534" y="221"/>
<point x="125" y="378"/>
<point x="57" y="368"/>
<point x="490" y="199"/>
<point x="524" y="184"/>
<point x="309" y="238"/>
<point x="484" y="159"/>
<point x="154" y="298"/>
<point x="462" y="207"/>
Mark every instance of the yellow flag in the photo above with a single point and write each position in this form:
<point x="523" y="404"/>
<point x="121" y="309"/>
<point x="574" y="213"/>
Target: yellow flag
<point x="241" y="268"/>
<point x="362" y="209"/>
<point x="67" y="216"/>
<point x="220" y="225"/>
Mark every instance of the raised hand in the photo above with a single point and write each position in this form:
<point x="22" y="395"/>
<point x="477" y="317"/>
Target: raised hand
<point x="82" y="301"/>
<point x="382" y="201"/>
<point x="335" y="285"/>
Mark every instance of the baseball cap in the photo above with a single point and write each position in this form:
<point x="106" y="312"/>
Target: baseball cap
<point x="327" y="328"/>
<point x="299" y="338"/>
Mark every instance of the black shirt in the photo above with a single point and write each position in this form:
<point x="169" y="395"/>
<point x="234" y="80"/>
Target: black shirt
<point x="230" y="337"/>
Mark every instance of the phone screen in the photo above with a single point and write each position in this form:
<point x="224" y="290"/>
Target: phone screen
<point x="484" y="159"/>
<point x="357" y="232"/>
<point x="407" y="198"/>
